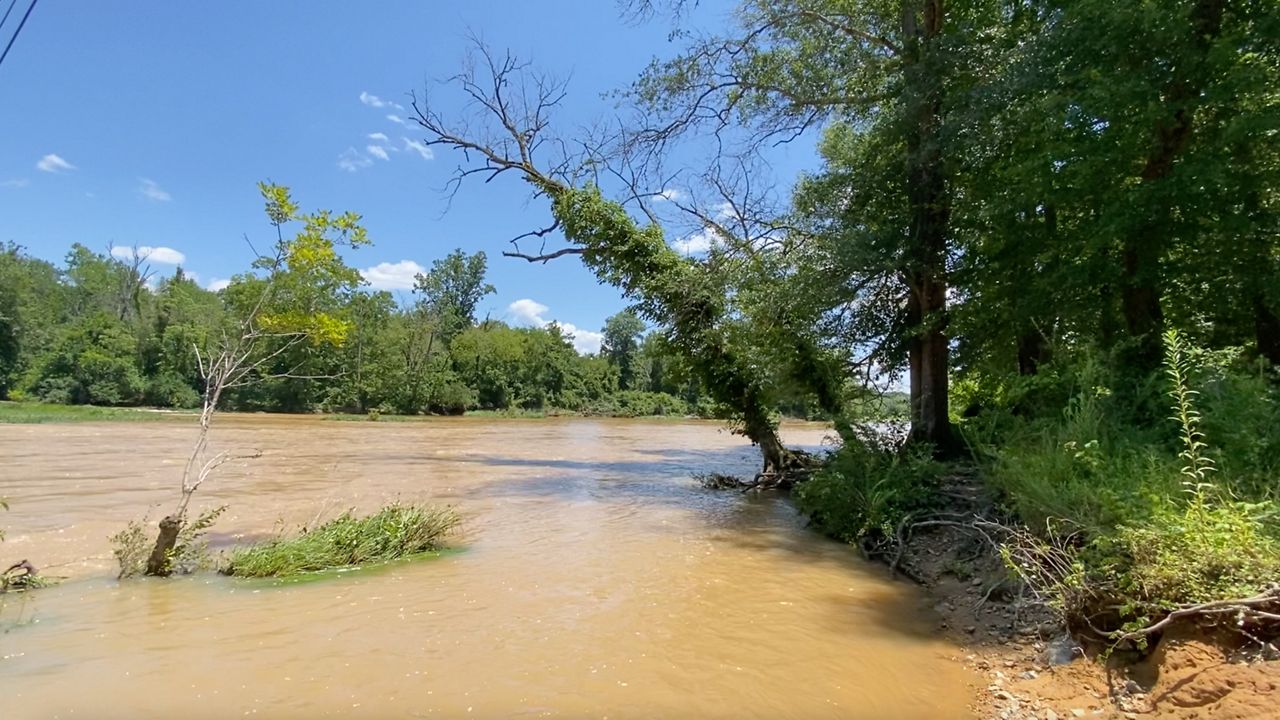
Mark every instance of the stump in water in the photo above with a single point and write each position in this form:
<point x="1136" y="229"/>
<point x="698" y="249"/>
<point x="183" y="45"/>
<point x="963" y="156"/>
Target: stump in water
<point x="159" y="564"/>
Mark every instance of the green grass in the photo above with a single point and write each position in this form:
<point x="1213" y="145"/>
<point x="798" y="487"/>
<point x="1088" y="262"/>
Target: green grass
<point x="35" y="412"/>
<point x="394" y="532"/>
<point x="371" y="570"/>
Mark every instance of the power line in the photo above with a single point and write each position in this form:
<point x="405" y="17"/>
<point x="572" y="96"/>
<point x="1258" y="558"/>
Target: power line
<point x="6" y="12"/>
<point x="25" y="15"/>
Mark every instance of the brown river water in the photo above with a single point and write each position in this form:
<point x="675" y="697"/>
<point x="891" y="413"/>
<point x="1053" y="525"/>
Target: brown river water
<point x="592" y="578"/>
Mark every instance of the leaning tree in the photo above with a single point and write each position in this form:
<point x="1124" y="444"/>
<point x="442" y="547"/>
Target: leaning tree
<point x="505" y="129"/>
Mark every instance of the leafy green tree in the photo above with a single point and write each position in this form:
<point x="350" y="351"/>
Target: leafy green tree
<point x="886" y="75"/>
<point x="621" y="345"/>
<point x="452" y="289"/>
<point x="95" y="361"/>
<point x="300" y="298"/>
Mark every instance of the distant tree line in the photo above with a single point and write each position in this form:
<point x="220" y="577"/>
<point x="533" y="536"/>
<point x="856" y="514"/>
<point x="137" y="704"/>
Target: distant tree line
<point x="105" y="330"/>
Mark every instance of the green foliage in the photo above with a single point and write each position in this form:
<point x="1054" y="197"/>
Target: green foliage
<point x="634" y="403"/>
<point x="393" y="532"/>
<point x="170" y="390"/>
<point x="132" y="546"/>
<point x="864" y="492"/>
<point x="94" y="361"/>
<point x="1155" y="523"/>
<point x="621" y="346"/>
<point x="451" y="290"/>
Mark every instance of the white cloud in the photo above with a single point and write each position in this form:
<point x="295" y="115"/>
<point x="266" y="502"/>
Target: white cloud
<point x="392" y="276"/>
<point x="352" y="160"/>
<point x="696" y="243"/>
<point x="397" y="119"/>
<point x="585" y="342"/>
<point x="16" y="183"/>
<point x="151" y="190"/>
<point x="725" y="210"/>
<point x="373" y="100"/>
<point x="669" y="194"/>
<point x="530" y="312"/>
<point x="377" y="151"/>
<point x="418" y="147"/>
<point x="162" y="255"/>
<point x="217" y="284"/>
<point x="52" y="163"/>
<point x="380" y="137"/>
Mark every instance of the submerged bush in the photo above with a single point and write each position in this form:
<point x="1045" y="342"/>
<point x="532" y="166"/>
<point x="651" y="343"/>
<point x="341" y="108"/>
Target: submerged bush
<point x="866" y="490"/>
<point x="132" y="546"/>
<point x="393" y="532"/>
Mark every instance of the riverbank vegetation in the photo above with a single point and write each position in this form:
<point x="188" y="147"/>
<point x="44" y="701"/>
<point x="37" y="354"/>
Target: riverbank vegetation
<point x="1057" y="224"/>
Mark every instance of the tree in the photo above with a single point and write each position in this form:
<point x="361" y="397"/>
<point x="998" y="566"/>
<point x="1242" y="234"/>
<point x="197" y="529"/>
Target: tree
<point x="288" y="307"/>
<point x="665" y="285"/>
<point x="886" y="73"/>
<point x="621" y="345"/>
<point x="452" y="289"/>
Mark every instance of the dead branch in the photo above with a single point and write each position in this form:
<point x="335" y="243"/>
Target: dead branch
<point x="545" y="257"/>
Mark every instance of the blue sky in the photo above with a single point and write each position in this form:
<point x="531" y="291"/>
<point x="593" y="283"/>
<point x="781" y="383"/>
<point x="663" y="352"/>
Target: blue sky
<point x="129" y="124"/>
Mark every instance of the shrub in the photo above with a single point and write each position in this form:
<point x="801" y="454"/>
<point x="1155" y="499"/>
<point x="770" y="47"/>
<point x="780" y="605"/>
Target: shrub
<point x="864" y="491"/>
<point x="169" y="390"/>
<point x="637" y="403"/>
<point x="1151" y="532"/>
<point x="132" y="546"/>
<point x="1083" y="470"/>
<point x="393" y="532"/>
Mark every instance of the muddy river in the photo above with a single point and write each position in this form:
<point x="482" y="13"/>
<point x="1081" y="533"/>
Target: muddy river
<point x="592" y="578"/>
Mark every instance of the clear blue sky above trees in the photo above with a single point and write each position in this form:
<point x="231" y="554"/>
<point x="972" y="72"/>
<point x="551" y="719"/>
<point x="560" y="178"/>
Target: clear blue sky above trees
<point x="149" y="126"/>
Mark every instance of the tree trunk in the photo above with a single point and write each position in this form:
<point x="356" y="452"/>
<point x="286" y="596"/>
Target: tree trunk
<point x="1033" y="351"/>
<point x="760" y="429"/>
<point x="1267" y="330"/>
<point x="1140" y="301"/>
<point x="926" y="253"/>
<point x="929" y="354"/>
<point x="159" y="564"/>
<point x="1142" y="251"/>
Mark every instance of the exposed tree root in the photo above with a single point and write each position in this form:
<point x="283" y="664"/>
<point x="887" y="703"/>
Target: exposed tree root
<point x="1257" y="609"/>
<point x="796" y="467"/>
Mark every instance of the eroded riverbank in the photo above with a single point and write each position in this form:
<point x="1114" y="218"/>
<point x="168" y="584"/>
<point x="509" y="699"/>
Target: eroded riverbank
<point x="595" y="578"/>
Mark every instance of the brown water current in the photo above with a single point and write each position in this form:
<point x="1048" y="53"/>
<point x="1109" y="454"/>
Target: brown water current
<point x="593" y="578"/>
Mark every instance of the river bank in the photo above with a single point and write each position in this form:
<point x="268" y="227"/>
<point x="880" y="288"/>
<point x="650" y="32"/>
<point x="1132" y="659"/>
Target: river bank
<point x="1025" y="666"/>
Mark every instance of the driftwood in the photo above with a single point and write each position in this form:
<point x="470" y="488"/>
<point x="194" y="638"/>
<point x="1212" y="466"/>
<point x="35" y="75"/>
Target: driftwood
<point x="18" y="576"/>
